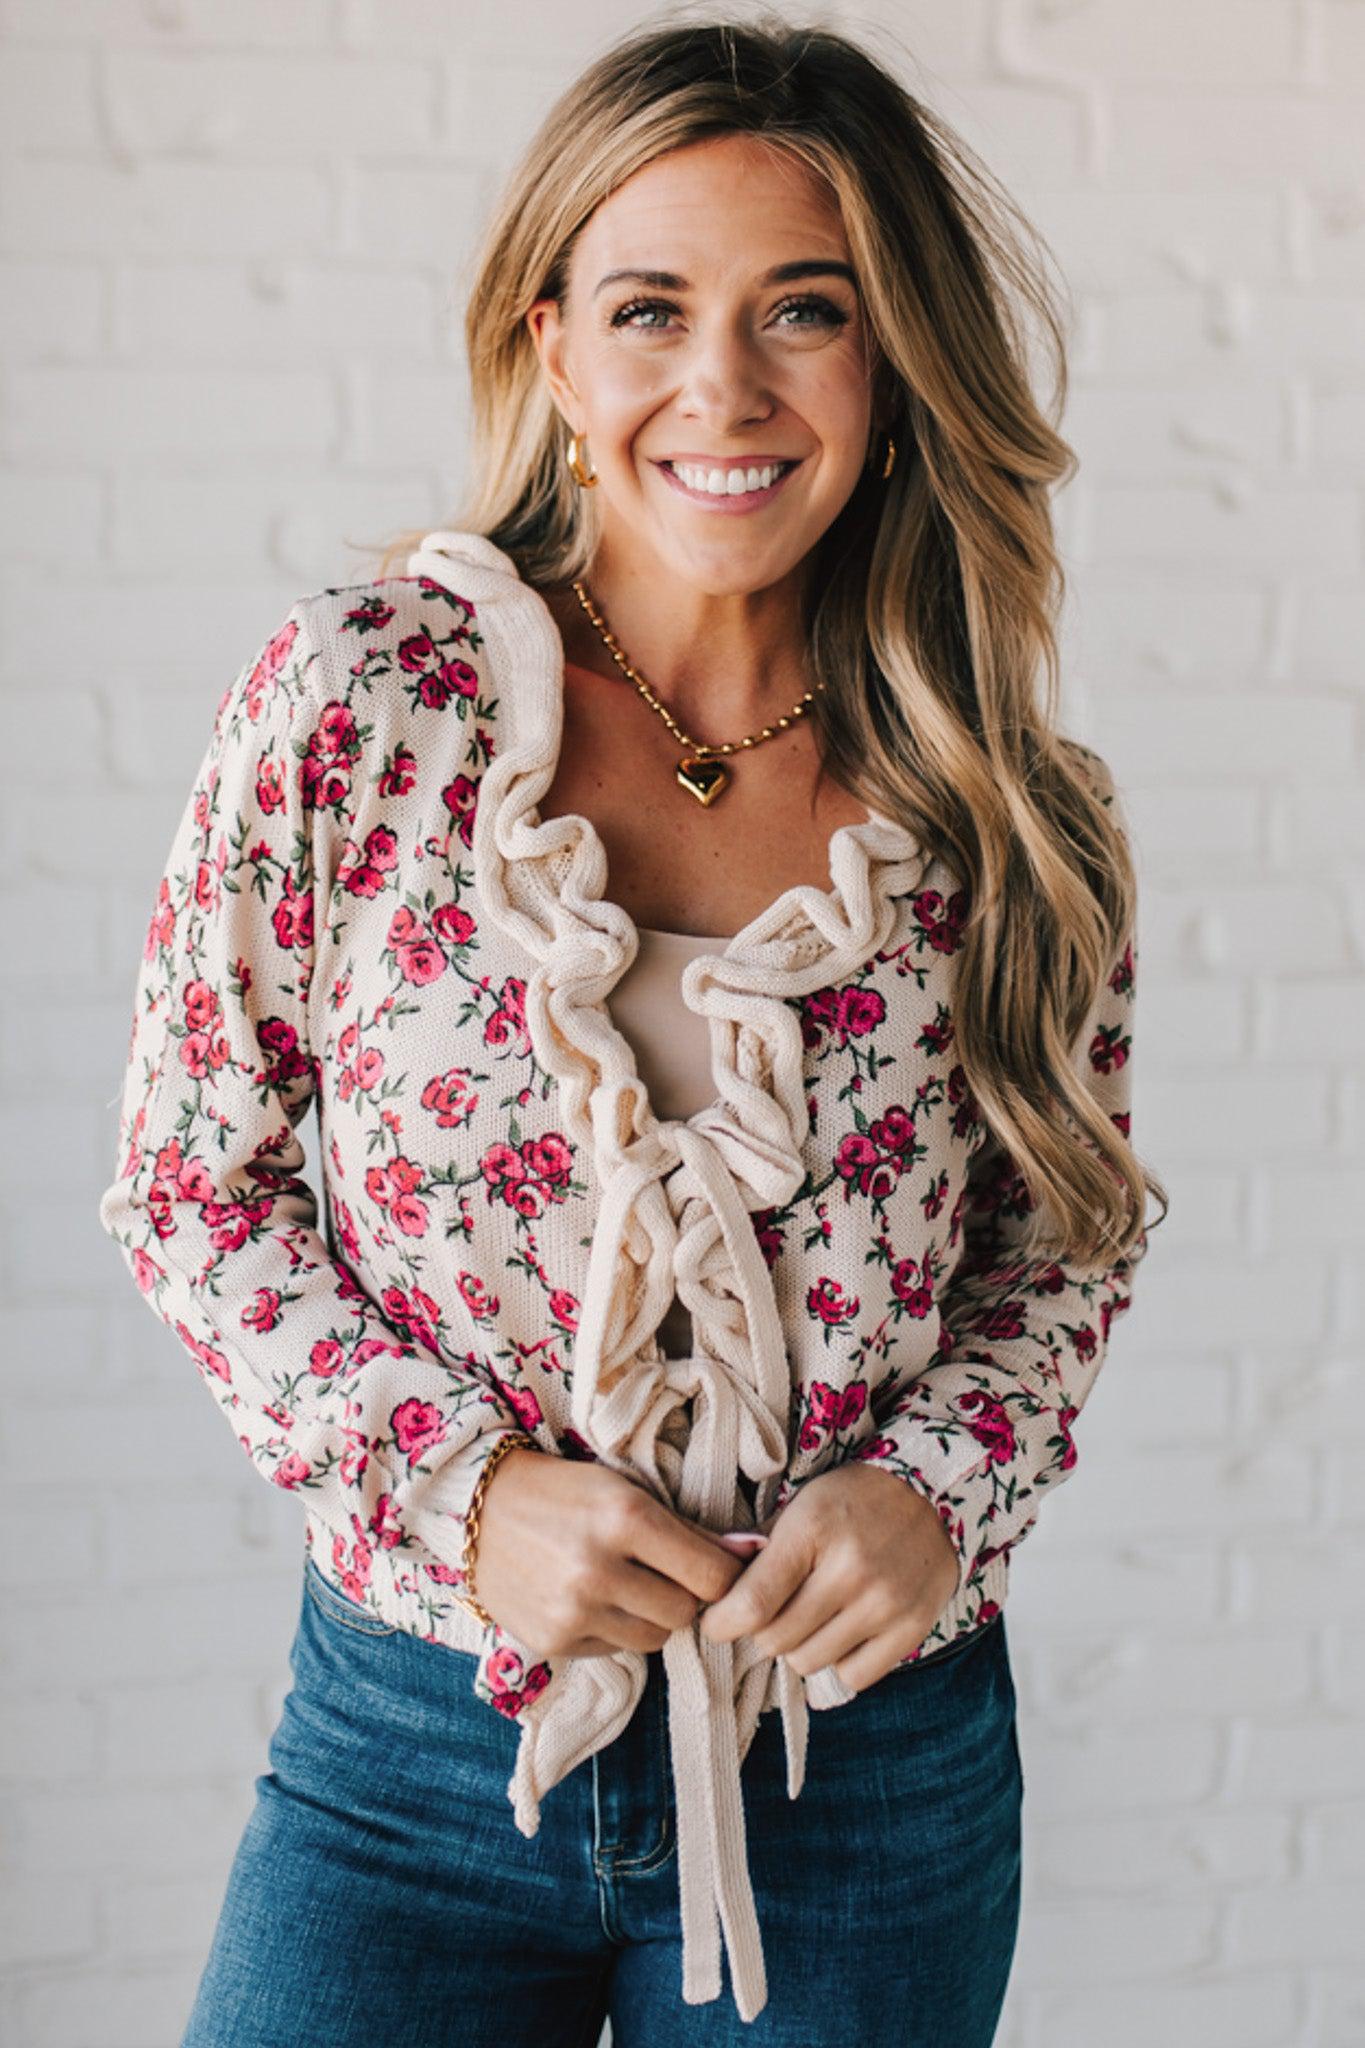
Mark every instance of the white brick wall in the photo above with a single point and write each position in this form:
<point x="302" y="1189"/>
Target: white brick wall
<point x="229" y="234"/>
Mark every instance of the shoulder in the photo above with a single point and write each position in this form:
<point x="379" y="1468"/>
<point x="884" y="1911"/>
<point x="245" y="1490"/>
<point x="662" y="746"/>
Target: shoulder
<point x="398" y="650"/>
<point x="390" y="646"/>
<point x="349" y="619"/>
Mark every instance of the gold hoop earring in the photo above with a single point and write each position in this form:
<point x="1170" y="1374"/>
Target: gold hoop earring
<point x="580" y="477"/>
<point x="890" y="461"/>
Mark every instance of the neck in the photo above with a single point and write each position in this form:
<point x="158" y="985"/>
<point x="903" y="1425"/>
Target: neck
<point x="723" y="664"/>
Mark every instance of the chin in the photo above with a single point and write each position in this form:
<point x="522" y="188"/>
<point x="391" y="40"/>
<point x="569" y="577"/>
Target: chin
<point x="759" y="565"/>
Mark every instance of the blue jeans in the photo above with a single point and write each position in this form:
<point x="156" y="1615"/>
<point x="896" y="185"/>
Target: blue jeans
<point x="381" y="1892"/>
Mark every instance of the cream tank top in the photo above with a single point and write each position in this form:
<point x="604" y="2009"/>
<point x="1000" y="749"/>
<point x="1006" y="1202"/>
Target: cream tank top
<point x="672" y="1047"/>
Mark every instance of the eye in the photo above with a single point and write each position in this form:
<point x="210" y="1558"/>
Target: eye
<point x="811" y="302"/>
<point x="826" y="312"/>
<point x="626" y="316"/>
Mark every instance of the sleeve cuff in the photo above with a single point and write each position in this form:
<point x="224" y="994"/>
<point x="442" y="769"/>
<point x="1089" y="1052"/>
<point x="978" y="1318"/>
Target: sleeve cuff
<point x="941" y="1461"/>
<point x="438" y="1515"/>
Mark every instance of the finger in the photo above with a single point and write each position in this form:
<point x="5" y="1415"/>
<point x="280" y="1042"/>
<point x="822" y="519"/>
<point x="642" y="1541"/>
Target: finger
<point x="647" y="1595"/>
<point x="843" y="1635"/>
<point x="680" y="1551"/>
<point x="871" y="1660"/>
<point x="737" y="1541"/>
<point x="630" y="1631"/>
<point x="761" y="1591"/>
<point x="815" y="1605"/>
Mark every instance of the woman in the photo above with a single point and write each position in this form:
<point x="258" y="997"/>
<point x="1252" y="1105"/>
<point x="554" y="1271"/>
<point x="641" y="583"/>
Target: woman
<point x="714" y="974"/>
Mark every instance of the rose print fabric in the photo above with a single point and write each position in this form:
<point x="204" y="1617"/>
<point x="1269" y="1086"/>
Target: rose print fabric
<point x="362" y="909"/>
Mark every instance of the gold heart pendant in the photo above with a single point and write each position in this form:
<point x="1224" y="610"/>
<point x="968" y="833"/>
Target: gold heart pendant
<point x="706" y="779"/>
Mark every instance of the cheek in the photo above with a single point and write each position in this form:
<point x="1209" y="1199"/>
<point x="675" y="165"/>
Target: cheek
<point x="618" y="387"/>
<point x="837" y="402"/>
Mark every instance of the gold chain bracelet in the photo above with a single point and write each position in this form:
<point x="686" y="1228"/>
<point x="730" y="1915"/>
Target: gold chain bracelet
<point x="515" y="1440"/>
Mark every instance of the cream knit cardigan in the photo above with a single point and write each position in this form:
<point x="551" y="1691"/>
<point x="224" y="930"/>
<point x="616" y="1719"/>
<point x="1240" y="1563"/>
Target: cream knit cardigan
<point x="776" y="1388"/>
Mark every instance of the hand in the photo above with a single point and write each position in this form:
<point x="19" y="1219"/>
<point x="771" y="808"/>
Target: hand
<point x="858" y="1570"/>
<point x="578" y="1561"/>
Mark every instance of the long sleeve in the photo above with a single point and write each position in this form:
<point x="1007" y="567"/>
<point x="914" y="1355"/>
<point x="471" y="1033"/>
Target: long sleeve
<point x="383" y="1437"/>
<point x="985" y="1430"/>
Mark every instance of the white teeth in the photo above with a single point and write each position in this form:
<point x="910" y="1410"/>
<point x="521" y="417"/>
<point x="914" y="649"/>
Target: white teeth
<point x="721" y="483"/>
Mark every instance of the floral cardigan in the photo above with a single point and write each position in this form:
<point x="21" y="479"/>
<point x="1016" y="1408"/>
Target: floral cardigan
<point x="362" y="908"/>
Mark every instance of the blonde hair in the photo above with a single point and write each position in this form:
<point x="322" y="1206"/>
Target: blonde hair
<point x="933" y="594"/>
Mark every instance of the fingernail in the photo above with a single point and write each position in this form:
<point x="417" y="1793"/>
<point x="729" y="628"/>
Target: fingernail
<point x="743" y="1541"/>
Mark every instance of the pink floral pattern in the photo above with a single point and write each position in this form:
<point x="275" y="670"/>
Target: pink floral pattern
<point x="317" y="937"/>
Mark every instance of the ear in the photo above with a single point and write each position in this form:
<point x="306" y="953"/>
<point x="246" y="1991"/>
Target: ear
<point x="547" y="332"/>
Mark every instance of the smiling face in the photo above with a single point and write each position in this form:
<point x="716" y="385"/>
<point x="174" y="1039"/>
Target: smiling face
<point x="748" y="360"/>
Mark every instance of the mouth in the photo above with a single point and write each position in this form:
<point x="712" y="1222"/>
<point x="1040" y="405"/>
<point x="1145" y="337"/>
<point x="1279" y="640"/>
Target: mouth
<point x="731" y="498"/>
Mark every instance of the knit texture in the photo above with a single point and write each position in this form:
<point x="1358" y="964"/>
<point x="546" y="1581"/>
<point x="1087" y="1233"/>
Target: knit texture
<point x="362" y="906"/>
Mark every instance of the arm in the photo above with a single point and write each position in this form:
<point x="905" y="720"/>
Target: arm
<point x="985" y="1430"/>
<point x="383" y="1439"/>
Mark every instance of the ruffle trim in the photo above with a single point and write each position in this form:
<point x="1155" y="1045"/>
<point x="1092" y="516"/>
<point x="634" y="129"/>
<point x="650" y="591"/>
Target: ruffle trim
<point x="675" y="1214"/>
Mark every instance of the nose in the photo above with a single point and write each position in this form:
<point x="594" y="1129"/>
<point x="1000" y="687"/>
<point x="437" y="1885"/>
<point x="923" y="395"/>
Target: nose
<point x="725" y="383"/>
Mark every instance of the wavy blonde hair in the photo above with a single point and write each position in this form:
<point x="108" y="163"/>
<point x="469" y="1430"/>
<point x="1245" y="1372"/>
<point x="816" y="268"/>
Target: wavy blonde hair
<point x="933" y="596"/>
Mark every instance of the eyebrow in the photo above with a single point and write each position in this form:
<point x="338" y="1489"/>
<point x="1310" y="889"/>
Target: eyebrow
<point x="781" y="273"/>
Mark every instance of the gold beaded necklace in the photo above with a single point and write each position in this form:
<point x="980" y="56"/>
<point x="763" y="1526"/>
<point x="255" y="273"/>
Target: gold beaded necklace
<point x="699" y="770"/>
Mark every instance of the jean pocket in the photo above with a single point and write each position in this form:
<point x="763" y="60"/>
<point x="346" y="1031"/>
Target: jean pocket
<point x="338" y="1607"/>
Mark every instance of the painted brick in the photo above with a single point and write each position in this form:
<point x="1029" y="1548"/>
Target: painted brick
<point x="235" y="246"/>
